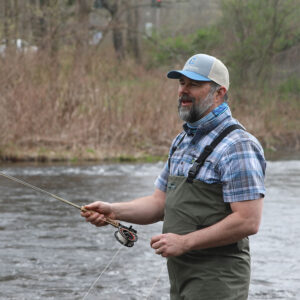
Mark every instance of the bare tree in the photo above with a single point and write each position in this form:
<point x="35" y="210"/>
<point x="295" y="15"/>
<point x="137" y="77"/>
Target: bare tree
<point x="115" y="7"/>
<point x="133" y="43"/>
<point x="7" y="22"/>
<point x="82" y="33"/>
<point x="258" y="30"/>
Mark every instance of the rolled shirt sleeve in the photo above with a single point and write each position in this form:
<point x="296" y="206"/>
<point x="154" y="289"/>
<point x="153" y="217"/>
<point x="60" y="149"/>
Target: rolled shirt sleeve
<point x="162" y="180"/>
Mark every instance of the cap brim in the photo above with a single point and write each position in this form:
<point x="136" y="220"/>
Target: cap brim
<point x="192" y="75"/>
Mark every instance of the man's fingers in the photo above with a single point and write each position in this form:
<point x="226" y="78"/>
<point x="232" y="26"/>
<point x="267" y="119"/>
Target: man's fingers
<point x="86" y="212"/>
<point x="159" y="252"/>
<point x="157" y="242"/>
<point x="93" y="216"/>
<point x="167" y="245"/>
<point x="155" y="239"/>
<point x="96" y="219"/>
<point x="95" y="213"/>
<point x="93" y="206"/>
<point x="100" y="221"/>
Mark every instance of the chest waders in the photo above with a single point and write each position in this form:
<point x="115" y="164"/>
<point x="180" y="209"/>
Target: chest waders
<point x="221" y="273"/>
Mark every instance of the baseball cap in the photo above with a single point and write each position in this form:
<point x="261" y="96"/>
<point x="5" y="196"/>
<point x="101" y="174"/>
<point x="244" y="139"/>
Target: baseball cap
<point x="203" y="67"/>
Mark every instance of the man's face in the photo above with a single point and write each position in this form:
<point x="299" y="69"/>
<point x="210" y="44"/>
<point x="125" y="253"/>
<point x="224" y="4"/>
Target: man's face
<point x="195" y="100"/>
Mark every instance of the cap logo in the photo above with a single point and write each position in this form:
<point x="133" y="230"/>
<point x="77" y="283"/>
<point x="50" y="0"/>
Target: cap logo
<point x="192" y="60"/>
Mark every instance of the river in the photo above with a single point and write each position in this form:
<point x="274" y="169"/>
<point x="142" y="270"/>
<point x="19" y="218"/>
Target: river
<point x="48" y="251"/>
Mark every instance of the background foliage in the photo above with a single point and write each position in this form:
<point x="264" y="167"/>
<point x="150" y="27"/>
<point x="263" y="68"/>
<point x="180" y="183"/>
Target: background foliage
<point x="86" y="79"/>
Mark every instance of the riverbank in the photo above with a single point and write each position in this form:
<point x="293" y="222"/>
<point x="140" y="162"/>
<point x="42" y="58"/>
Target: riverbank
<point x="76" y="156"/>
<point x="99" y="156"/>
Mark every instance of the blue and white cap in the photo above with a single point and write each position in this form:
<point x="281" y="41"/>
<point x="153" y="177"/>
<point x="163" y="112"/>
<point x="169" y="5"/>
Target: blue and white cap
<point x="203" y="67"/>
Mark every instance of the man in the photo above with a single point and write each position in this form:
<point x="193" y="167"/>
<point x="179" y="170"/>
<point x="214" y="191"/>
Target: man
<point x="209" y="194"/>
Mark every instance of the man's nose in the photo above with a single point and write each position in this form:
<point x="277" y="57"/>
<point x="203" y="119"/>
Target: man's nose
<point x="183" y="89"/>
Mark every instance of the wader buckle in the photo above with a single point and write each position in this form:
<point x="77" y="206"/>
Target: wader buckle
<point x="198" y="163"/>
<point x="193" y="172"/>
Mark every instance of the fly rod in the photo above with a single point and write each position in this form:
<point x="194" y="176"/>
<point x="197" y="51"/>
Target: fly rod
<point x="125" y="235"/>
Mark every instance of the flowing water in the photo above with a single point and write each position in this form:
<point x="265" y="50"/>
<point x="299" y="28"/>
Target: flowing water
<point x="47" y="251"/>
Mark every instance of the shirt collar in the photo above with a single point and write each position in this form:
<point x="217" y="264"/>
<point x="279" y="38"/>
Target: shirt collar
<point x="210" y="121"/>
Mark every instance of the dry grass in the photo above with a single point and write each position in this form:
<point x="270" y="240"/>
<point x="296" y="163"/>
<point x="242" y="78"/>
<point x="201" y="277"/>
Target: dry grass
<point x="93" y="107"/>
<point x="272" y="118"/>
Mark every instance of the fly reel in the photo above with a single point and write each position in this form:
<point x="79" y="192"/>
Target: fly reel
<point x="127" y="236"/>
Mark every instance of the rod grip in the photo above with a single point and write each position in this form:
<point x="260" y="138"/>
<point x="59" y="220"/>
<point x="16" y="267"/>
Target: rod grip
<point x="107" y="220"/>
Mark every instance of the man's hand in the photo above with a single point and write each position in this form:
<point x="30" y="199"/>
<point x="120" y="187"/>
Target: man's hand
<point x="97" y="212"/>
<point x="169" y="244"/>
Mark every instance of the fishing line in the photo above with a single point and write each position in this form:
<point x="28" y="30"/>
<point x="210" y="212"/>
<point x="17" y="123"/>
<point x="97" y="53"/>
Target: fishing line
<point x="155" y="282"/>
<point x="127" y="236"/>
<point x="107" y="266"/>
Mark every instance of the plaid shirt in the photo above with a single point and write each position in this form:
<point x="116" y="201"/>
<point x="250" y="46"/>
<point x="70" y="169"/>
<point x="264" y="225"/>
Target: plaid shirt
<point x="237" y="162"/>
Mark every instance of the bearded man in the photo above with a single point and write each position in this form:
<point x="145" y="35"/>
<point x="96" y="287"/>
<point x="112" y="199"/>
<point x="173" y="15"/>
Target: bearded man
<point x="209" y="194"/>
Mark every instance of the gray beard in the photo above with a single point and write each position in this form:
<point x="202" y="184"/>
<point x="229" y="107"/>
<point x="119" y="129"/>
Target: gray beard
<point x="196" y="112"/>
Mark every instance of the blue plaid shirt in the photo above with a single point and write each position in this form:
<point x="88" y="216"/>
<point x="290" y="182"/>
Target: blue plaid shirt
<point x="237" y="162"/>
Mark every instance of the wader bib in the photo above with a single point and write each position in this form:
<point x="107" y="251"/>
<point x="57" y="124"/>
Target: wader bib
<point x="221" y="273"/>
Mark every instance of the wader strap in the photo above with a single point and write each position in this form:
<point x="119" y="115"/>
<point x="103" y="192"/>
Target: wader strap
<point x="208" y="150"/>
<point x="174" y="148"/>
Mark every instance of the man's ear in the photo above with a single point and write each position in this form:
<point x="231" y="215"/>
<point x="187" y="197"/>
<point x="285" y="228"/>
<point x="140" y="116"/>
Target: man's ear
<point x="221" y="92"/>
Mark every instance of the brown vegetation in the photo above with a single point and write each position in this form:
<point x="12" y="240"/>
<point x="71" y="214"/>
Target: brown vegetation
<point x="95" y="107"/>
<point x="63" y="97"/>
